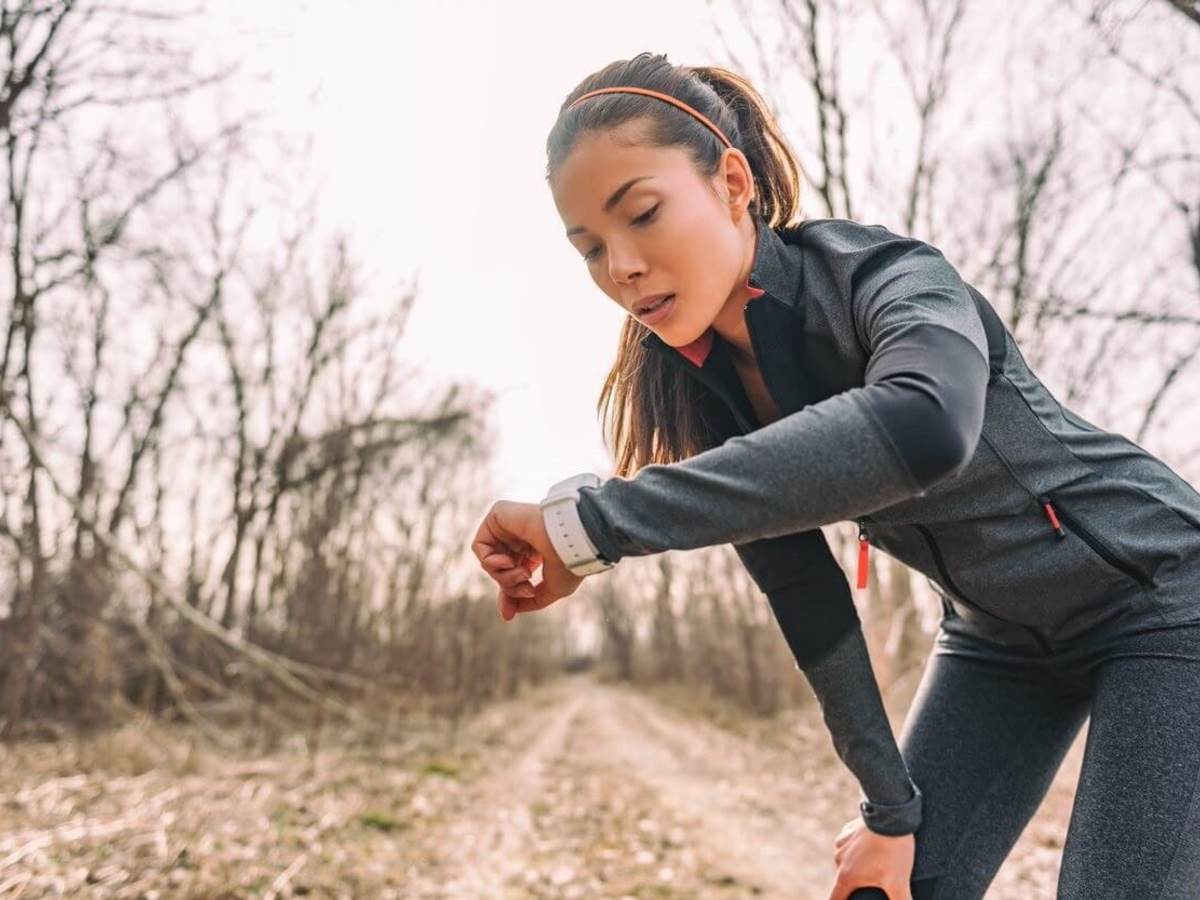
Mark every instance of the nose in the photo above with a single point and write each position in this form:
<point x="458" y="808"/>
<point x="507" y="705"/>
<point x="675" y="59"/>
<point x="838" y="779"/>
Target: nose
<point x="624" y="265"/>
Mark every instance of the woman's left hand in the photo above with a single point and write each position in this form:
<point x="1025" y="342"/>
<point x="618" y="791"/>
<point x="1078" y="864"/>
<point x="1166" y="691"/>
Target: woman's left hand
<point x="868" y="859"/>
<point x="510" y="544"/>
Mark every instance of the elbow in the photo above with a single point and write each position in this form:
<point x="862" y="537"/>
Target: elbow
<point x="950" y="450"/>
<point x="935" y="433"/>
<point x="928" y="389"/>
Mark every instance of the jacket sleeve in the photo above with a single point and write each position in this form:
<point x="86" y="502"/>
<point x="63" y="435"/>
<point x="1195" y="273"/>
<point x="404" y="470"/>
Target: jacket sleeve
<point x="810" y="599"/>
<point x="915" y="421"/>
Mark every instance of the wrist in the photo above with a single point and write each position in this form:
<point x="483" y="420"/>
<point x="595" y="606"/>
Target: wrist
<point x="565" y="529"/>
<point x="893" y="819"/>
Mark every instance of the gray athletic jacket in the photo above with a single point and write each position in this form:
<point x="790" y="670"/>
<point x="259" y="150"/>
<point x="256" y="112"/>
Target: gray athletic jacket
<point x="906" y="406"/>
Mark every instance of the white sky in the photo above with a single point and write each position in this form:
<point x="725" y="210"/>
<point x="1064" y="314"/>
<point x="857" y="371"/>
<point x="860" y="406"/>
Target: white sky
<point x="430" y="122"/>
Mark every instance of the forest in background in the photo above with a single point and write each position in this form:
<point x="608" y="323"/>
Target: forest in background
<point x="224" y="494"/>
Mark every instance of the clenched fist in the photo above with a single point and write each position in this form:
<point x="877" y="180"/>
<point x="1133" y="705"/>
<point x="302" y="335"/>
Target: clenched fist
<point x="510" y="544"/>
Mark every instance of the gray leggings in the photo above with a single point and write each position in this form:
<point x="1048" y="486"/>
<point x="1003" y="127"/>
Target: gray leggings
<point x="988" y="729"/>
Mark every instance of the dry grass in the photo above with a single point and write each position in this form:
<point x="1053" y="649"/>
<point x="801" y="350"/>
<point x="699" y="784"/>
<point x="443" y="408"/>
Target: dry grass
<point x="150" y="810"/>
<point x="575" y="790"/>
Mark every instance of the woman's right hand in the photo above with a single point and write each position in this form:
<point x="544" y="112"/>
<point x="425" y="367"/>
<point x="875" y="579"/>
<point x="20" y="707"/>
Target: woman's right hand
<point x="510" y="543"/>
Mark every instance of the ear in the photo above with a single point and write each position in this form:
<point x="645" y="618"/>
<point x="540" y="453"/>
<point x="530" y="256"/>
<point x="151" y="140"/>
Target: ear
<point x="736" y="178"/>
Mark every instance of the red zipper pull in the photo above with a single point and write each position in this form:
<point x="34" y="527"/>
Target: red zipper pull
<point x="1050" y="514"/>
<point x="864" y="549"/>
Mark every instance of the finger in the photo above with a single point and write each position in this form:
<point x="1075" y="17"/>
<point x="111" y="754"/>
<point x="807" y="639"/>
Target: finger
<point x="510" y="578"/>
<point x="504" y="556"/>
<point x="498" y="561"/>
<point x="542" y="597"/>
<point x="484" y="543"/>
<point x="519" y="594"/>
<point x="510" y="601"/>
<point x="528" y="563"/>
<point x="507" y="606"/>
<point x="495" y="554"/>
<point x="492" y="536"/>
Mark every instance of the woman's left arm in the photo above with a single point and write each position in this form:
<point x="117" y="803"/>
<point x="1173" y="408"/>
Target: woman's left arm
<point x="915" y="421"/>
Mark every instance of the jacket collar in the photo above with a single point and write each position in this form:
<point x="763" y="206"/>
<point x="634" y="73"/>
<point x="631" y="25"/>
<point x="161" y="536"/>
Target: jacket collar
<point x="776" y="271"/>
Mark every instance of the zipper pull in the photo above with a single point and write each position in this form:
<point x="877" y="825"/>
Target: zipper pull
<point x="864" y="549"/>
<point x="1050" y="514"/>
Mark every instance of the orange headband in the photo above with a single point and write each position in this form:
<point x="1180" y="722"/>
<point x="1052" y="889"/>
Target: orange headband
<point x="649" y="93"/>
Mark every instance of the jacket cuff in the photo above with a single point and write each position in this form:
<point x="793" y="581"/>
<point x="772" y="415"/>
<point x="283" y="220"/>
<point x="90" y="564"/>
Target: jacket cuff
<point x="597" y="529"/>
<point x="893" y="818"/>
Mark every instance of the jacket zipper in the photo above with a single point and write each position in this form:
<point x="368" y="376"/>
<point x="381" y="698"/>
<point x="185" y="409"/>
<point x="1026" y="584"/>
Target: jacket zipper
<point x="864" y="545"/>
<point x="940" y="562"/>
<point x="1102" y="549"/>
<point x="864" y="537"/>
<point x="745" y="424"/>
<point x="864" y="550"/>
<point x="754" y="343"/>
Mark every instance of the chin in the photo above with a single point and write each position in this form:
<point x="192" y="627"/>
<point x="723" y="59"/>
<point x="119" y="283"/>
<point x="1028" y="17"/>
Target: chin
<point x="681" y="335"/>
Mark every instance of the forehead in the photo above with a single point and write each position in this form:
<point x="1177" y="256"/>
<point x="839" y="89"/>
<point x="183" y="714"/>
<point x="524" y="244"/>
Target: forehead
<point x="599" y="164"/>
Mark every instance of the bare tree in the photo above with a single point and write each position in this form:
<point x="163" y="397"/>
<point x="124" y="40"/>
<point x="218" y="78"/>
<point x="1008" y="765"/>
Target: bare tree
<point x="233" y="416"/>
<point x="994" y="133"/>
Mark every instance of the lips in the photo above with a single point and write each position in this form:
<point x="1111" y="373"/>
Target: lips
<point x="644" y="304"/>
<point x="658" y="310"/>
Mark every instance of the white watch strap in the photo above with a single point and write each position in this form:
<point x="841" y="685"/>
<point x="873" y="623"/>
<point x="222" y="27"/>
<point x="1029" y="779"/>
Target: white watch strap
<point x="560" y="513"/>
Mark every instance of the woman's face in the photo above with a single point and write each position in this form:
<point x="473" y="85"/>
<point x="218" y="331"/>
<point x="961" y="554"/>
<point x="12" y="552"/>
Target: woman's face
<point x="644" y="222"/>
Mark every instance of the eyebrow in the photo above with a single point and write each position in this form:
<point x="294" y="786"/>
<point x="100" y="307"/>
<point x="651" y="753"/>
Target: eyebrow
<point x="613" y="200"/>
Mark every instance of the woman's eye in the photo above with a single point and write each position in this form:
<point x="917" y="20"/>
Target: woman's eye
<point x="640" y="220"/>
<point x="646" y="216"/>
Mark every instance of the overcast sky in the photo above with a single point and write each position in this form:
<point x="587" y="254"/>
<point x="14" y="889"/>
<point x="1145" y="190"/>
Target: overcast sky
<point x="430" y="122"/>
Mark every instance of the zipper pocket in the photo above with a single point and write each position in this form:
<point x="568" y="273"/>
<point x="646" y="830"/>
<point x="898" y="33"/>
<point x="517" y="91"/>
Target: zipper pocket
<point x="940" y="562"/>
<point x="1051" y="504"/>
<point x="1048" y="503"/>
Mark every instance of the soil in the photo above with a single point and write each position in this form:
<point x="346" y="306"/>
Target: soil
<point x="575" y="790"/>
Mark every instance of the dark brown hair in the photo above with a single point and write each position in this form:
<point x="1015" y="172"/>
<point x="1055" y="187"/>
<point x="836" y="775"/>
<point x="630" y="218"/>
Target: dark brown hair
<point x="652" y="412"/>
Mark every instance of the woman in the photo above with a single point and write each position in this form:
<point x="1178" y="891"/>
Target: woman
<point x="799" y="374"/>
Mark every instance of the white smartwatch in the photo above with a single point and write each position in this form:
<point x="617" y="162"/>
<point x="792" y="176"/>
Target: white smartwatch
<point x="560" y="513"/>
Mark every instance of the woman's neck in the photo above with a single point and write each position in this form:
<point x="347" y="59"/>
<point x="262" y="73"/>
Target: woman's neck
<point x="730" y="322"/>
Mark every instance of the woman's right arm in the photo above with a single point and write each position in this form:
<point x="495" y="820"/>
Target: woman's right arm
<point x="810" y="598"/>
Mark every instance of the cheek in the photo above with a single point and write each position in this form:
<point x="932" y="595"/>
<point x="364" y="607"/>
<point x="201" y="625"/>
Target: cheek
<point x="706" y="264"/>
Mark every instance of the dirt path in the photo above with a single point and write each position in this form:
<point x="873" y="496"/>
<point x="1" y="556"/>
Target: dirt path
<point x="623" y="796"/>
<point x="481" y="844"/>
<point x="576" y="790"/>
